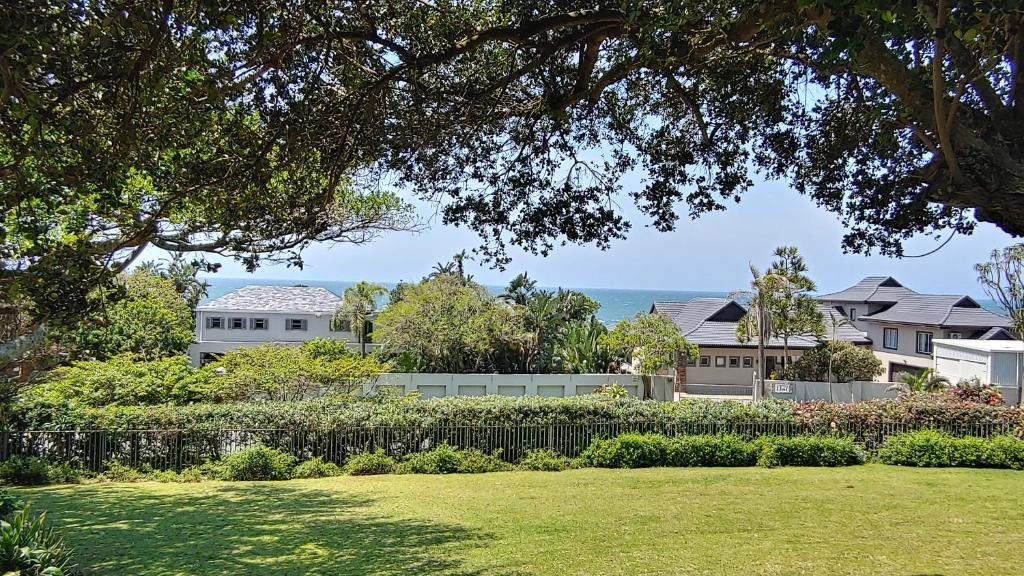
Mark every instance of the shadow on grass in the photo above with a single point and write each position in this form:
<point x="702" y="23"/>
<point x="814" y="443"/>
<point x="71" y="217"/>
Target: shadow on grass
<point x="246" y="529"/>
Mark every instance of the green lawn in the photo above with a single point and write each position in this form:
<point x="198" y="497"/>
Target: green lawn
<point x="863" y="520"/>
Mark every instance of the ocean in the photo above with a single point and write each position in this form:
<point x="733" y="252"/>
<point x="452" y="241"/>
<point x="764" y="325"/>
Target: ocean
<point x="616" y="304"/>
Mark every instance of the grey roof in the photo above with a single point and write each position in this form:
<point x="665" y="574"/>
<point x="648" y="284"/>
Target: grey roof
<point x="938" y="310"/>
<point x="875" y="289"/>
<point x="276" y="299"/>
<point x="995" y="333"/>
<point x="712" y="322"/>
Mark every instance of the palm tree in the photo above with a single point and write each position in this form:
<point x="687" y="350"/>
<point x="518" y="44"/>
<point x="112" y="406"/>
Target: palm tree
<point x="182" y="273"/>
<point x="926" y="380"/>
<point x="758" y="323"/>
<point x="357" y="305"/>
<point x="794" y="312"/>
<point x="519" y="289"/>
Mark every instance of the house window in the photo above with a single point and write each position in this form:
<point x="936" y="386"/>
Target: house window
<point x="705" y="361"/>
<point x="236" y="323"/>
<point x="955" y="335"/>
<point x="924" y="342"/>
<point x="853" y="314"/>
<point x="748" y="361"/>
<point x="691" y="361"/>
<point x="214" y="322"/>
<point x="295" y="324"/>
<point x="258" y="324"/>
<point x="734" y="361"/>
<point x="890" y="338"/>
<point x="719" y="361"/>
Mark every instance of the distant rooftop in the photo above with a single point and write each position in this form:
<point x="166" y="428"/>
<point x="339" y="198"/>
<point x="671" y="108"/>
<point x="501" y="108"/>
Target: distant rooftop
<point x="712" y="322"/>
<point x="905" y="306"/>
<point x="276" y="299"/>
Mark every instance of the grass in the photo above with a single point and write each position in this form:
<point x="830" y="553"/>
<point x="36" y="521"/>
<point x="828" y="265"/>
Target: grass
<point x="862" y="520"/>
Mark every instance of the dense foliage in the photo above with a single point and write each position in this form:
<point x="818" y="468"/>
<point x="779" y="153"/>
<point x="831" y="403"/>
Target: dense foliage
<point x="151" y="320"/>
<point x="123" y="380"/>
<point x="448" y="323"/>
<point x="445" y="459"/>
<point x="843" y="361"/>
<point x="258" y="463"/>
<point x="932" y="448"/>
<point x="277" y="372"/>
<point x="653" y="450"/>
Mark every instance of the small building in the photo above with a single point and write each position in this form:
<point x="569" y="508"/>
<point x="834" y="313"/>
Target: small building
<point x="255" y="315"/>
<point x="727" y="366"/>
<point x="996" y="362"/>
<point x="902" y="324"/>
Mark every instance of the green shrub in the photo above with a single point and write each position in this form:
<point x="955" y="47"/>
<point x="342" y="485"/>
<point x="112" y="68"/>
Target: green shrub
<point x="9" y="503"/>
<point x="316" y="468"/>
<point x="25" y="471"/>
<point x="114" y="471"/>
<point x="708" y="450"/>
<point x="448" y="460"/>
<point x="627" y="451"/>
<point x="931" y="448"/>
<point x="544" y="460"/>
<point x="370" y="463"/>
<point x="30" y="548"/>
<point x="258" y="463"/>
<point x="816" y="450"/>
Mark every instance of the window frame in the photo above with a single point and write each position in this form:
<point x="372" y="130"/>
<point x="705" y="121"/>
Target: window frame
<point x="691" y="362"/>
<point x="303" y="324"/>
<point x="704" y="362"/>
<point x="239" y="319"/>
<point x="896" y="338"/>
<point x="211" y="319"/>
<point x="253" y="321"/>
<point x="723" y="359"/>
<point x="917" y="342"/>
<point x="748" y="362"/>
<point x="853" y="315"/>
<point x="735" y="364"/>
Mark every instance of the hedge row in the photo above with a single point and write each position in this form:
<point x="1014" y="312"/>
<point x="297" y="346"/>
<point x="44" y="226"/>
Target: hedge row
<point x="328" y="413"/>
<point x="931" y="448"/>
<point x="655" y="450"/>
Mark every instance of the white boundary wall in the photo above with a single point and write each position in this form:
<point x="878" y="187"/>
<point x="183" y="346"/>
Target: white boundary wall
<point x="552" y="385"/>
<point x="799" y="391"/>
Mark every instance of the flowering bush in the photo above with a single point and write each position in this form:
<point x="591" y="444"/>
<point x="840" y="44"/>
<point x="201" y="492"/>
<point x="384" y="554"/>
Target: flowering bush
<point x="974" y="391"/>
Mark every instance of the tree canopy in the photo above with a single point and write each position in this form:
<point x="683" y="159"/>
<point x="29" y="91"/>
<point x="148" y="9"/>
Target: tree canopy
<point x="251" y="129"/>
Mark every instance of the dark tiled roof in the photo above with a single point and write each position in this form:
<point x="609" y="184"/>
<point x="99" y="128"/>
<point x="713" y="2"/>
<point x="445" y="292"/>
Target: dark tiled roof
<point x="276" y="299"/>
<point x="995" y="333"/>
<point x="938" y="310"/>
<point x="875" y="289"/>
<point x="713" y="321"/>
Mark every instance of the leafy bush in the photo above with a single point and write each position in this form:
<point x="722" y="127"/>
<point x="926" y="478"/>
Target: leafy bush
<point x="258" y="463"/>
<point x="370" y="463"/>
<point x="708" y="450"/>
<point x="931" y="448"/>
<point x="30" y="548"/>
<point x="544" y="460"/>
<point x="316" y="468"/>
<point x="848" y="362"/>
<point x="445" y="459"/>
<point x="818" y="450"/>
<point x="124" y="380"/>
<point x="649" y="450"/>
<point x="974" y="391"/>
<point x="9" y="503"/>
<point x="25" y="471"/>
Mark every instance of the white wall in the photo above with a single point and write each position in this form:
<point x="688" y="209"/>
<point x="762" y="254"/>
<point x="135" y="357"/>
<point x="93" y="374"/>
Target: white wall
<point x="712" y="375"/>
<point x="556" y="385"/>
<point x="798" y="391"/>
<point x="905" y="353"/>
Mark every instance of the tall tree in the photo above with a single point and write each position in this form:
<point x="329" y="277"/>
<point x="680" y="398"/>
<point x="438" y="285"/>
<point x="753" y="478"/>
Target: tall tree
<point x="184" y="275"/>
<point x="519" y="289"/>
<point x="652" y="342"/>
<point x="758" y="323"/>
<point x="794" y="311"/>
<point x="358" y="303"/>
<point x="252" y="128"/>
<point x="1002" y="277"/>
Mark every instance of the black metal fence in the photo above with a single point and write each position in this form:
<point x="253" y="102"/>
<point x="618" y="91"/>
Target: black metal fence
<point x="177" y="449"/>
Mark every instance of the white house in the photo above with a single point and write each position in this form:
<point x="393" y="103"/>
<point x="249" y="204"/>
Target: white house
<point x="996" y="362"/>
<point x="902" y="324"/>
<point x="727" y="366"/>
<point x="256" y="315"/>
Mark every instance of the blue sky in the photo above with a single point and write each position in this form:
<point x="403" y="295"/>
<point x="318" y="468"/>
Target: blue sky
<point x="711" y="253"/>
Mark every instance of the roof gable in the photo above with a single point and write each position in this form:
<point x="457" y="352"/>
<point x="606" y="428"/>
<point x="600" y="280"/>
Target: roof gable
<point x="875" y="289"/>
<point x="263" y="298"/>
